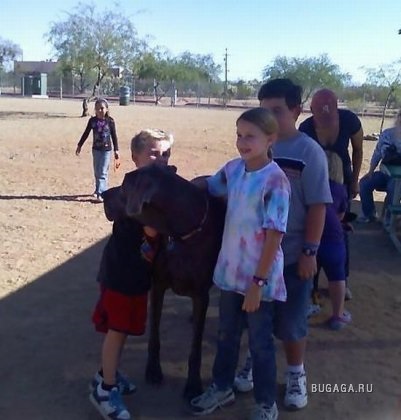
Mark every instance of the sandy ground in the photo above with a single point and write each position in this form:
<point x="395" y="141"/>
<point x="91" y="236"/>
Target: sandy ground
<point x="51" y="238"/>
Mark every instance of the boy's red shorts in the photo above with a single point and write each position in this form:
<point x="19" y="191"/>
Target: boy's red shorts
<point x="115" y="311"/>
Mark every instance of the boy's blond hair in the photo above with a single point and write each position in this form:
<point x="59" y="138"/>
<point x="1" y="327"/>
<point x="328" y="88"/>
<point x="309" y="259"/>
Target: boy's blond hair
<point x="335" y="165"/>
<point x="140" y="139"/>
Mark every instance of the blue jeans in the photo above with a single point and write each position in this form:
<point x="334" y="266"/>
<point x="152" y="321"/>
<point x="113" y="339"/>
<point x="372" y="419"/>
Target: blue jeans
<point x="379" y="181"/>
<point x="101" y="162"/>
<point x="232" y="320"/>
<point x="290" y="320"/>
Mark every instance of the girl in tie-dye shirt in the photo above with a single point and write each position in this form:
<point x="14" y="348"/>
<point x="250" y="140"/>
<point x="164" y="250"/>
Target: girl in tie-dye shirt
<point x="258" y="199"/>
<point x="249" y="269"/>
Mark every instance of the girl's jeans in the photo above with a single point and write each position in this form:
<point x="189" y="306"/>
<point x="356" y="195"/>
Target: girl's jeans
<point x="379" y="181"/>
<point x="232" y="320"/>
<point x="101" y="162"/>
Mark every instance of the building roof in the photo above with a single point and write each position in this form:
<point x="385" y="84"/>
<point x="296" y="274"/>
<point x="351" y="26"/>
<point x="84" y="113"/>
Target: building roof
<point x="35" y="66"/>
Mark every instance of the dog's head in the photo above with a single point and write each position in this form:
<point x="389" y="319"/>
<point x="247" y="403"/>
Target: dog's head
<point x="147" y="194"/>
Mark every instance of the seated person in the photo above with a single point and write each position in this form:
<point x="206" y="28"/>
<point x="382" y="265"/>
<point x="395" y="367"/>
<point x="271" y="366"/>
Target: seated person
<point x="378" y="180"/>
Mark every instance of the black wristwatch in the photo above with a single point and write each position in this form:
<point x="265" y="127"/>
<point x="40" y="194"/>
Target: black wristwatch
<point x="309" y="252"/>
<point x="259" y="281"/>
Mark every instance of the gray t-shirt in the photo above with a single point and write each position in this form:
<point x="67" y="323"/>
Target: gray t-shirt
<point x="305" y="164"/>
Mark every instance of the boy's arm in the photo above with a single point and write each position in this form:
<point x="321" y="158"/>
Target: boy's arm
<point x="113" y="202"/>
<point x="269" y="251"/>
<point x="150" y="243"/>
<point x="200" y="182"/>
<point x="314" y="224"/>
<point x="316" y="189"/>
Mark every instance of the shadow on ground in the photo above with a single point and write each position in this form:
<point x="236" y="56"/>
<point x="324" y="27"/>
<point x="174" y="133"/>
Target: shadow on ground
<point x="17" y="115"/>
<point x="83" y="198"/>
<point x="49" y="350"/>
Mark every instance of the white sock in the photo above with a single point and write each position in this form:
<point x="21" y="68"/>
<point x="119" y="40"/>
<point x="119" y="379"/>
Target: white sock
<point x="295" y="368"/>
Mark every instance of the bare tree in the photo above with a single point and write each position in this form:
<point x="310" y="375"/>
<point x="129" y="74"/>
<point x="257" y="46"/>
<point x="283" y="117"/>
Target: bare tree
<point x="388" y="76"/>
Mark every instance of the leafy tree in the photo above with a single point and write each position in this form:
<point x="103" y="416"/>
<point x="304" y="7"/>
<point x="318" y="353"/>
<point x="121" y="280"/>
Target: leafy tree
<point x="152" y="64"/>
<point x="388" y="76"/>
<point x="158" y="64"/>
<point x="202" y="67"/>
<point x="310" y="72"/>
<point x="244" y="90"/>
<point x="8" y="52"/>
<point x="88" y="41"/>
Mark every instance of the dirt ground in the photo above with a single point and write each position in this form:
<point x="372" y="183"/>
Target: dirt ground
<point x="51" y="238"/>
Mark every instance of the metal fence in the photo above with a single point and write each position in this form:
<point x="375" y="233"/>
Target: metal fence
<point x="167" y="93"/>
<point x="163" y="92"/>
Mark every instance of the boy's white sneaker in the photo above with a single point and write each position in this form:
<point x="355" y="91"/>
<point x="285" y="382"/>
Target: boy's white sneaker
<point x="296" y="395"/>
<point x="243" y="381"/>
<point x="124" y="385"/>
<point x="109" y="403"/>
<point x="263" y="412"/>
<point x="211" y="400"/>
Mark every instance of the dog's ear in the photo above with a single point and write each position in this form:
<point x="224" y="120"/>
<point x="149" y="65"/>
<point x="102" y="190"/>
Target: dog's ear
<point x="172" y="169"/>
<point x="114" y="203"/>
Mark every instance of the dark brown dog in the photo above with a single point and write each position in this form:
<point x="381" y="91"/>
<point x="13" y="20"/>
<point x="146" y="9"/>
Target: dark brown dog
<point x="192" y="224"/>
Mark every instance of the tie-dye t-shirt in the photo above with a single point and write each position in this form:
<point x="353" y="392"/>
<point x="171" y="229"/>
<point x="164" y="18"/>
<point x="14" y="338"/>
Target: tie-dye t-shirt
<point x="257" y="200"/>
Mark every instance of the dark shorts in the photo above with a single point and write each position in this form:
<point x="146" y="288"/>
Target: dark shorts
<point x="290" y="321"/>
<point x="117" y="312"/>
<point x="332" y="257"/>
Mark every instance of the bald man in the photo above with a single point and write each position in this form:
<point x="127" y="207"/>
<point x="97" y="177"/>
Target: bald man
<point x="334" y="129"/>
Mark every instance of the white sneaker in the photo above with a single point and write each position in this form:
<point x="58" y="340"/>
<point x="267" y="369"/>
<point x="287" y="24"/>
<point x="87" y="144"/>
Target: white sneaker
<point x="210" y="400"/>
<point x="296" y="395"/>
<point x="243" y="381"/>
<point x="109" y="404"/>
<point x="124" y="385"/>
<point x="313" y="309"/>
<point x="263" y="412"/>
<point x="367" y="219"/>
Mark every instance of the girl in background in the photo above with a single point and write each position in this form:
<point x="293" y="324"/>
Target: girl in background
<point x="104" y="140"/>
<point x="331" y="254"/>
